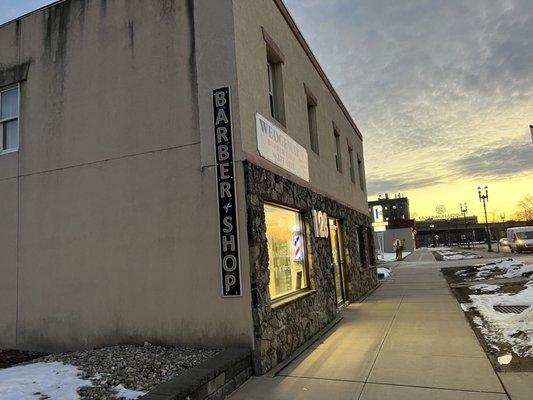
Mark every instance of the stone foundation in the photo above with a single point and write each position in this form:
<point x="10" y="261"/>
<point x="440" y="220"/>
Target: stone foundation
<point x="281" y="327"/>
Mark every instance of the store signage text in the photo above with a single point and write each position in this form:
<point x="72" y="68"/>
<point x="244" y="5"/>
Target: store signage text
<point x="377" y="213"/>
<point x="320" y="222"/>
<point x="278" y="147"/>
<point x="227" y="201"/>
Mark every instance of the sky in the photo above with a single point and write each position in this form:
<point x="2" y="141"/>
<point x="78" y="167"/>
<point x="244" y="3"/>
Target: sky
<point x="442" y="91"/>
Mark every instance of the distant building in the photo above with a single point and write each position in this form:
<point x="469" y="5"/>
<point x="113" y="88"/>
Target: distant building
<point x="393" y="208"/>
<point x="391" y="220"/>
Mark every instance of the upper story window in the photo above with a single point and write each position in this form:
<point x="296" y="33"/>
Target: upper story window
<point x="352" y="165"/>
<point x="361" y="173"/>
<point x="311" y="119"/>
<point x="338" y="157"/>
<point x="9" y="119"/>
<point x="274" y="64"/>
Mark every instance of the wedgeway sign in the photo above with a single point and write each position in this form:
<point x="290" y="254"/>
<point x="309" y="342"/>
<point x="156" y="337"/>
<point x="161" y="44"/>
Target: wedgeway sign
<point x="278" y="147"/>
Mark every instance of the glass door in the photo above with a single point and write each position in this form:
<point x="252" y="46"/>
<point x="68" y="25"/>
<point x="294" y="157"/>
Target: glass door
<point x="337" y="254"/>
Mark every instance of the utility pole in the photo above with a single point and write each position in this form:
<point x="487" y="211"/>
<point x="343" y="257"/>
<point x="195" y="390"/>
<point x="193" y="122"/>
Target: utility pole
<point x="485" y="199"/>
<point x="464" y="210"/>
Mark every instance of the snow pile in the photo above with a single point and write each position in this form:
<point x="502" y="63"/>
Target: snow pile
<point x="448" y="255"/>
<point x="391" y="256"/>
<point x="504" y="268"/>
<point x="127" y="394"/>
<point x="383" y="273"/>
<point x="505" y="359"/>
<point x="483" y="287"/>
<point x="515" y="329"/>
<point x="41" y="380"/>
<point x="518" y="271"/>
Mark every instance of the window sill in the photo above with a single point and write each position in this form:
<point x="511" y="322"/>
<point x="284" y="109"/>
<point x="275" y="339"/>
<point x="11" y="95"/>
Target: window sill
<point x="291" y="298"/>
<point x="9" y="151"/>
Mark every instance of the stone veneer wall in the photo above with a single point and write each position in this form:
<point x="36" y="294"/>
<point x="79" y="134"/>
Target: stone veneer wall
<point x="282" y="328"/>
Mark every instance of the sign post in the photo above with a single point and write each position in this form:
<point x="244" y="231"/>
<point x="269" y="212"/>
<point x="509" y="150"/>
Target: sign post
<point x="227" y="200"/>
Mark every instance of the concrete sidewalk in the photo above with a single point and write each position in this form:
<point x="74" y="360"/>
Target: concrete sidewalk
<point x="408" y="340"/>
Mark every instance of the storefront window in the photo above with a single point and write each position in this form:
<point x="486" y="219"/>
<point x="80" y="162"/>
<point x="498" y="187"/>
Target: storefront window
<point x="286" y="251"/>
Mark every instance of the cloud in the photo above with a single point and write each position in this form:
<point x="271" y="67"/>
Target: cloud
<point x="434" y="85"/>
<point x="386" y="185"/>
<point x="506" y="160"/>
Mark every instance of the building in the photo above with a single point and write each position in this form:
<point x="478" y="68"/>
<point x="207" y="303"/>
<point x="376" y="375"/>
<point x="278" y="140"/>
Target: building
<point x="175" y="171"/>
<point x="392" y="208"/>
<point x="459" y="230"/>
<point x="392" y="221"/>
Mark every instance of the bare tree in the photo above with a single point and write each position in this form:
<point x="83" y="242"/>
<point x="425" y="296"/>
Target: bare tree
<point x="525" y="208"/>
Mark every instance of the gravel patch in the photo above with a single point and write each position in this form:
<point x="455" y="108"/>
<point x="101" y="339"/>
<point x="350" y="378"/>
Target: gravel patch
<point x="137" y="368"/>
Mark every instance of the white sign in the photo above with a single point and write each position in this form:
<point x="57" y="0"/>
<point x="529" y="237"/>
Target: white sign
<point x="278" y="147"/>
<point x="320" y="222"/>
<point x="377" y="213"/>
<point x="380" y="226"/>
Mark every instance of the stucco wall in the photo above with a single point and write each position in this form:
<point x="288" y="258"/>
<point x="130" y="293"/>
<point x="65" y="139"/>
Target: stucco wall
<point x="108" y="235"/>
<point x="250" y="16"/>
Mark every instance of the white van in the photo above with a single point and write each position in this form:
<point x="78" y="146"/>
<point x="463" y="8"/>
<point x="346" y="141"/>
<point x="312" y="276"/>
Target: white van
<point x="520" y="239"/>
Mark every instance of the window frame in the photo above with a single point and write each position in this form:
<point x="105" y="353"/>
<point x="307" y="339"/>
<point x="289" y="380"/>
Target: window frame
<point x="360" y="171"/>
<point x="307" y="288"/>
<point x="276" y="96"/>
<point x="352" y="165"/>
<point x="338" y="151"/>
<point x="10" y="119"/>
<point x="312" y="122"/>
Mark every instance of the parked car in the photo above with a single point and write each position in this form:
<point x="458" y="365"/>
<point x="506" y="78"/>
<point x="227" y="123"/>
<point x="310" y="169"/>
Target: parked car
<point x="520" y="238"/>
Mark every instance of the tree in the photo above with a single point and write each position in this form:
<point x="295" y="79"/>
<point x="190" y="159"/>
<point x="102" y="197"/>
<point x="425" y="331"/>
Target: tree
<point x="525" y="208"/>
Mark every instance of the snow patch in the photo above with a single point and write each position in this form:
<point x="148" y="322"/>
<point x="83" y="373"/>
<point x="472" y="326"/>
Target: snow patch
<point x="483" y="287"/>
<point x="391" y="256"/>
<point x="448" y="255"/>
<point x="515" y="329"/>
<point x="506" y="359"/>
<point x="385" y="272"/>
<point x="53" y="380"/>
<point x="504" y="268"/>
<point x="127" y="394"/>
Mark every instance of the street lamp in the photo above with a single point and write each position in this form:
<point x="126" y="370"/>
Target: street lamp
<point x="464" y="210"/>
<point x="485" y="199"/>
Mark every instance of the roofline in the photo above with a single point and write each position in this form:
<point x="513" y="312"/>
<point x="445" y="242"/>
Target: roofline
<point x="32" y="12"/>
<point x="295" y="30"/>
<point x="298" y="34"/>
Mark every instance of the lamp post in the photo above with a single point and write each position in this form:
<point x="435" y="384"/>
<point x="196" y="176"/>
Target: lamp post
<point x="464" y="210"/>
<point x="485" y="199"/>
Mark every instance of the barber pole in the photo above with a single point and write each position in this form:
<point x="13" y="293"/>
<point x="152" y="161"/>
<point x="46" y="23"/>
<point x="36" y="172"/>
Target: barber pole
<point x="297" y="248"/>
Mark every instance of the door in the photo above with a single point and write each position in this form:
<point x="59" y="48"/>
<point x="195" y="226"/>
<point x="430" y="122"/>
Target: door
<point x="337" y="256"/>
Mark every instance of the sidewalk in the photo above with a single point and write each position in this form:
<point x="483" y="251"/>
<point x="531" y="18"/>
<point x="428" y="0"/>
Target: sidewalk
<point x="408" y="340"/>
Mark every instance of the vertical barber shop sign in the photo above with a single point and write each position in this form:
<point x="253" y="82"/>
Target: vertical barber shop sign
<point x="227" y="201"/>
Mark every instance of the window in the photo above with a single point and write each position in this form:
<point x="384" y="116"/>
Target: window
<point x="286" y="250"/>
<point x="9" y="119"/>
<point x="311" y="119"/>
<point x="352" y="166"/>
<point x="275" y="59"/>
<point x="338" y="160"/>
<point x="361" y="174"/>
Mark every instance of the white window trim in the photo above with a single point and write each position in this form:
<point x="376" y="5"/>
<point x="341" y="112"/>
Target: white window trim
<point x="14" y="149"/>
